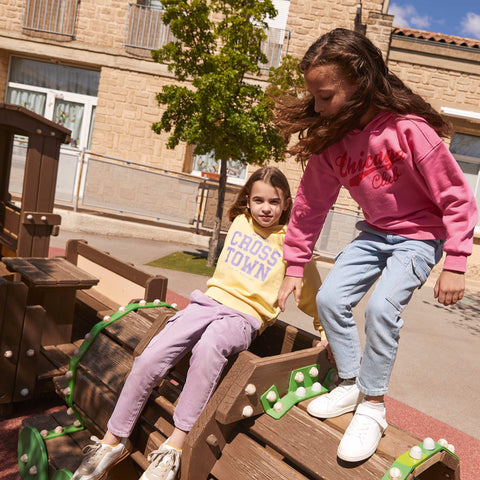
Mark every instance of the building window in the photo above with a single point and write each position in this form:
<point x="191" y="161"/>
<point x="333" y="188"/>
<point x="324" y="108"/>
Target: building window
<point x="466" y="150"/>
<point x="51" y="16"/>
<point x="275" y="47"/>
<point x="145" y="29"/>
<point x="207" y="166"/>
<point x="65" y="94"/>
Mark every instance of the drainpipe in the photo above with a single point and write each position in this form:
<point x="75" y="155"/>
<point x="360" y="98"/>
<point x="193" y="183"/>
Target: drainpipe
<point x="386" y="6"/>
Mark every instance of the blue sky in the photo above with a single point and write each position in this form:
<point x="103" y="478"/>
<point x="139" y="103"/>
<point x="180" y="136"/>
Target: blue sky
<point x="452" y="17"/>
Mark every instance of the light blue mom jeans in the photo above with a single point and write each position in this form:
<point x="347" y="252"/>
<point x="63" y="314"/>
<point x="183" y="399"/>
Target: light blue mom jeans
<point x="401" y="265"/>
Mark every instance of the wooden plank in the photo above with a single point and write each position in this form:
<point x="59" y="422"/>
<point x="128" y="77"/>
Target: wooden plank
<point x="289" y="339"/>
<point x="56" y="356"/>
<point x="64" y="272"/>
<point x="66" y="451"/>
<point x="312" y="445"/>
<point x="163" y="314"/>
<point x="156" y="288"/>
<point x="31" y="187"/>
<point x="105" y="260"/>
<point x="14" y="310"/>
<point x="28" y="362"/>
<point x="29" y="271"/>
<point x="244" y="458"/>
<point x="263" y="373"/>
<point x="92" y="397"/>
<point x="108" y="362"/>
<point x="128" y="330"/>
<point x="92" y="300"/>
<point x="199" y="456"/>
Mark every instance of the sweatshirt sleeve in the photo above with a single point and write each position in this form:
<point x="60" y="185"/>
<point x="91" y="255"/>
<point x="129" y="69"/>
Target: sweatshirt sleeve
<point x="453" y="196"/>
<point x="317" y="192"/>
<point x="307" y="303"/>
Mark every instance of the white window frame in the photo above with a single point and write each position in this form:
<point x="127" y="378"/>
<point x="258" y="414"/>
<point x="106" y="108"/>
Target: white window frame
<point x="88" y="101"/>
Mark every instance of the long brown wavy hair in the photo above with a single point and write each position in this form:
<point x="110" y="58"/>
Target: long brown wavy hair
<point x="274" y="177"/>
<point x="361" y="62"/>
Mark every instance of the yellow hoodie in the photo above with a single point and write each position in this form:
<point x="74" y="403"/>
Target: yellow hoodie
<point x="251" y="269"/>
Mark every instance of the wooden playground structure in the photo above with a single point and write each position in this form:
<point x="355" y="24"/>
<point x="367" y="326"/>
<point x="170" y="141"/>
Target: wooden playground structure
<point x="73" y="325"/>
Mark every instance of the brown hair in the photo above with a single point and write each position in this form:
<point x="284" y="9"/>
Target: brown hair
<point x="361" y="62"/>
<point x="270" y="175"/>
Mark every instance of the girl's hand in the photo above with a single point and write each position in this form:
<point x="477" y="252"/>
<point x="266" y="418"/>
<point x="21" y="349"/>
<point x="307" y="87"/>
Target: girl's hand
<point x="450" y="287"/>
<point x="289" y="285"/>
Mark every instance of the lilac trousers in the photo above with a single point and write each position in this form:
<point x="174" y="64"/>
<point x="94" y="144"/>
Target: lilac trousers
<point x="212" y="332"/>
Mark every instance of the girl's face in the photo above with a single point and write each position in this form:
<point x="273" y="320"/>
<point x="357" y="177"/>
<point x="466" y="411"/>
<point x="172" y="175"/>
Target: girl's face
<point x="329" y="87"/>
<point x="266" y="204"/>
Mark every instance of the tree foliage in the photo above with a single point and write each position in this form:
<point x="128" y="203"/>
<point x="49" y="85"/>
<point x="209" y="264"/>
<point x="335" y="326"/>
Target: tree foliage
<point x="220" y="109"/>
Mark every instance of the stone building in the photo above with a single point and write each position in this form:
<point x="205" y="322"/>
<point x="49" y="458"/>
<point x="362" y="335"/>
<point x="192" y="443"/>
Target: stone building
<point x="87" y="65"/>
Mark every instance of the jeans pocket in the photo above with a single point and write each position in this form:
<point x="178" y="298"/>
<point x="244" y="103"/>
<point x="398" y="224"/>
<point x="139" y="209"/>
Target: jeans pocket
<point x="421" y="268"/>
<point x="415" y="273"/>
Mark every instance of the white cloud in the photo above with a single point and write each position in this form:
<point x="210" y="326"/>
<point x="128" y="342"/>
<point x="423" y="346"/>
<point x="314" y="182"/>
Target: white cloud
<point x="471" y="25"/>
<point x="407" y="16"/>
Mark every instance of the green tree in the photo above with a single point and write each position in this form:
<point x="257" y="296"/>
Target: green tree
<point x="218" y="107"/>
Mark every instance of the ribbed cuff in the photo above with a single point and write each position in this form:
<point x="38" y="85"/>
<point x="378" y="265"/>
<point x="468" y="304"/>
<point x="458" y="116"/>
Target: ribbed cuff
<point x="457" y="263"/>
<point x="295" y="270"/>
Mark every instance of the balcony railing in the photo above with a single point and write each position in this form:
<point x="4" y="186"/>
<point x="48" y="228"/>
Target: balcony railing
<point x="275" y="47"/>
<point x="145" y="28"/>
<point x="51" y="16"/>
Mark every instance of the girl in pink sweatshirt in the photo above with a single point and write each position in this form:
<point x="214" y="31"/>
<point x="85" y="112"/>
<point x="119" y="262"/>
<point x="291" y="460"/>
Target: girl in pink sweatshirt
<point x="361" y="128"/>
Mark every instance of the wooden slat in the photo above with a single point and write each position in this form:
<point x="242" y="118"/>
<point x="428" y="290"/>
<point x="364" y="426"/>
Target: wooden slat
<point x="108" y="362"/>
<point x="92" y="397"/>
<point x="28" y="363"/>
<point x="244" y="458"/>
<point x="312" y="446"/>
<point x="63" y="271"/>
<point x="163" y="314"/>
<point x="13" y="314"/>
<point x="128" y="330"/>
<point x="30" y="271"/>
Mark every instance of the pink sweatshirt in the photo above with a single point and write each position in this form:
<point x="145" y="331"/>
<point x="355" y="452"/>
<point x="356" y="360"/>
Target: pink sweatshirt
<point x="403" y="177"/>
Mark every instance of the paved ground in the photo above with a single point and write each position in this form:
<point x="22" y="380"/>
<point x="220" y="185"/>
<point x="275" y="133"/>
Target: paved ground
<point x="437" y="367"/>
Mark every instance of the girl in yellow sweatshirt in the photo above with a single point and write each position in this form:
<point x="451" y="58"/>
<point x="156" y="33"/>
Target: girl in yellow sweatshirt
<point x="239" y="303"/>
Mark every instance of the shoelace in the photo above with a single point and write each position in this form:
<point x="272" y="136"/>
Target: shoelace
<point x="340" y="390"/>
<point x="158" y="456"/>
<point x="91" y="451"/>
<point x="360" y="424"/>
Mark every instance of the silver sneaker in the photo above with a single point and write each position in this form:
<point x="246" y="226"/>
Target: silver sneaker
<point x="99" y="458"/>
<point x="165" y="462"/>
<point x="340" y="400"/>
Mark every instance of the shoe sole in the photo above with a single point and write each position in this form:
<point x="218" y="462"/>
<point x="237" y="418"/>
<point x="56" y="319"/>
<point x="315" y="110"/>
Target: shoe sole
<point x="360" y="458"/>
<point x="350" y="459"/>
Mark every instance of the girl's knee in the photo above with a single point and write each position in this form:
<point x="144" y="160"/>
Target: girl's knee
<point x="327" y="301"/>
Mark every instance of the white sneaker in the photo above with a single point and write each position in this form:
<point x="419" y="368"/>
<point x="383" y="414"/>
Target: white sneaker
<point x="165" y="462"/>
<point x="362" y="436"/>
<point x="340" y="400"/>
<point x="99" y="458"/>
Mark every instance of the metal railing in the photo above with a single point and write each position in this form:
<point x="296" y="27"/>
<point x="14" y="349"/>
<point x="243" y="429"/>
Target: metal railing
<point x="88" y="181"/>
<point x="51" y="16"/>
<point x="145" y="29"/>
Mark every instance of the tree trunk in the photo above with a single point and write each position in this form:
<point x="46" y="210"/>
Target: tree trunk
<point x="213" y="249"/>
